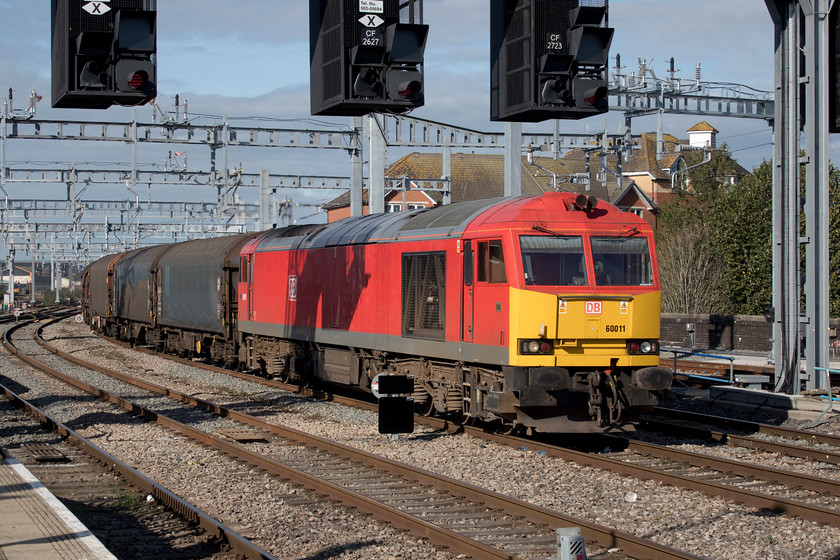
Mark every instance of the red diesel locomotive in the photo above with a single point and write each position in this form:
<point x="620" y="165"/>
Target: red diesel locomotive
<point x="538" y="312"/>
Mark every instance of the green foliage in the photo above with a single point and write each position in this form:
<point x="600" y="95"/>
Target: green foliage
<point x="743" y="226"/>
<point x="732" y="232"/>
<point x="736" y="222"/>
<point x="66" y="295"/>
<point x="834" y="241"/>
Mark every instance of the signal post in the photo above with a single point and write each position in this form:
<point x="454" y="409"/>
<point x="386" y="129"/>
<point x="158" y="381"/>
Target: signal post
<point x="103" y="53"/>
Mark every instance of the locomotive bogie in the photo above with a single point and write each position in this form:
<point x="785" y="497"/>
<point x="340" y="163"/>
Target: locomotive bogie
<point x="270" y="356"/>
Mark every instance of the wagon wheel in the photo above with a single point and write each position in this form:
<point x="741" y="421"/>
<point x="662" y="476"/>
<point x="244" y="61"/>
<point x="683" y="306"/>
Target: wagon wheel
<point x="425" y="407"/>
<point x="462" y="418"/>
<point x="508" y="428"/>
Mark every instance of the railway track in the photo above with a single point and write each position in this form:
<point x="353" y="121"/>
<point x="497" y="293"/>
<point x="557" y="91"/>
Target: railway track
<point x="465" y="518"/>
<point x="808" y="497"/>
<point x="765" y="488"/>
<point x="802" y="444"/>
<point x="122" y="518"/>
<point x="475" y="431"/>
<point x="705" y="372"/>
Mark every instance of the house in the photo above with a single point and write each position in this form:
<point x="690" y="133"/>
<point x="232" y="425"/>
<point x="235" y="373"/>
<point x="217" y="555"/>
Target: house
<point x="636" y="201"/>
<point x="655" y="175"/>
<point x="638" y="185"/>
<point x="478" y="176"/>
<point x="395" y="200"/>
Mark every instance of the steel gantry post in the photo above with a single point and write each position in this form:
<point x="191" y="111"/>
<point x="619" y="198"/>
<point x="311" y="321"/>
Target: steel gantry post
<point x="786" y="283"/>
<point x="3" y="149"/>
<point x="817" y="341"/>
<point x="11" y="284"/>
<point x="513" y="158"/>
<point x="801" y="76"/>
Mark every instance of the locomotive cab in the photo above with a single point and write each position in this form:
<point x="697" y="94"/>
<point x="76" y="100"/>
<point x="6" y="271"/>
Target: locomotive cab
<point x="583" y="300"/>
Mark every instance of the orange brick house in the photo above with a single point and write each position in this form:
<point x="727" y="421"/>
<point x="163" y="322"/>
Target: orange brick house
<point x="395" y="201"/>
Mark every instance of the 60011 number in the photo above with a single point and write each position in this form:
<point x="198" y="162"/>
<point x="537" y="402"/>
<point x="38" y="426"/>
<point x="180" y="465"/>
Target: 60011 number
<point x="614" y="328"/>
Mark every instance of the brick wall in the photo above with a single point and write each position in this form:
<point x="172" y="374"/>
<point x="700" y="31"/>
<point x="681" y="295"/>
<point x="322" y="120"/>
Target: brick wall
<point x="722" y="332"/>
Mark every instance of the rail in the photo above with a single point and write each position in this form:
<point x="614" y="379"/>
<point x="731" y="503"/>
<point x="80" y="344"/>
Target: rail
<point x="604" y="536"/>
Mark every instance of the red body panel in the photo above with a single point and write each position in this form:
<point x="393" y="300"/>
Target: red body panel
<point x="353" y="288"/>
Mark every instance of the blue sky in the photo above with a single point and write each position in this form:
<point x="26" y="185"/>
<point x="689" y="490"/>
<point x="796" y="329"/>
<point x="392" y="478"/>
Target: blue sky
<point x="251" y="57"/>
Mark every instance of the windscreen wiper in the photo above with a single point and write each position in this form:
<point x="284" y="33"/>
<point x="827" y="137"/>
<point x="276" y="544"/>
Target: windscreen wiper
<point x="546" y="230"/>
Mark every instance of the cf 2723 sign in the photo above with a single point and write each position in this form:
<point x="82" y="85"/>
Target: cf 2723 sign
<point x="553" y="42"/>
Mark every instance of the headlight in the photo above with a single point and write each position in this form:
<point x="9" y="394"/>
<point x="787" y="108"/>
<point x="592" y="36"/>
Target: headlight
<point x="642" y="347"/>
<point x="535" y="347"/>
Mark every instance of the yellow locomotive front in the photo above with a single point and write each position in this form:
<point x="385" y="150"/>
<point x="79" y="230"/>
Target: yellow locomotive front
<point x="584" y="324"/>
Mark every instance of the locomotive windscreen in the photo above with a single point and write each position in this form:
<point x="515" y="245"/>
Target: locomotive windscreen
<point x="553" y="261"/>
<point x="622" y="261"/>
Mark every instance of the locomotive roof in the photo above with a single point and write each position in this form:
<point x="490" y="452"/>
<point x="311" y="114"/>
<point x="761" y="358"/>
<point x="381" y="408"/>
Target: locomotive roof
<point x="439" y="222"/>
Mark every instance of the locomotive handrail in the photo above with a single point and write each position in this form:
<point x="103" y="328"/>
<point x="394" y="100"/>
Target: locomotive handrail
<point x="684" y="352"/>
<point x="829" y="395"/>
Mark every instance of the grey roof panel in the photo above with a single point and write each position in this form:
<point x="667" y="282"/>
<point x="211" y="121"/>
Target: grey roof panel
<point x="436" y="222"/>
<point x="450" y="217"/>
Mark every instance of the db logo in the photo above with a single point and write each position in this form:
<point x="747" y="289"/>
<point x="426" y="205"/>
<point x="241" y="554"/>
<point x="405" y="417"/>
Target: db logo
<point x="292" y="287"/>
<point x="593" y="307"/>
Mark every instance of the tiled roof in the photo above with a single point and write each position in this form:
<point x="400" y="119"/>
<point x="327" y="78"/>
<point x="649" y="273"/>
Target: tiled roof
<point x="702" y="126"/>
<point x="669" y="159"/>
<point x="644" y="159"/>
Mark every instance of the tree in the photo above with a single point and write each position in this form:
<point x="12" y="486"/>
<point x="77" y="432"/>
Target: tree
<point x="834" y="241"/>
<point x="690" y="274"/>
<point x="690" y="266"/>
<point x="743" y="230"/>
<point x="723" y="233"/>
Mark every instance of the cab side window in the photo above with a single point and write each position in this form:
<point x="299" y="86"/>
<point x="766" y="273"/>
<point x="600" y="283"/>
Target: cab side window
<point x="468" y="264"/>
<point x="491" y="262"/>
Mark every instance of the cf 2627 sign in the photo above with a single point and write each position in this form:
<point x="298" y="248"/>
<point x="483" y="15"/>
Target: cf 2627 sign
<point x="372" y="35"/>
